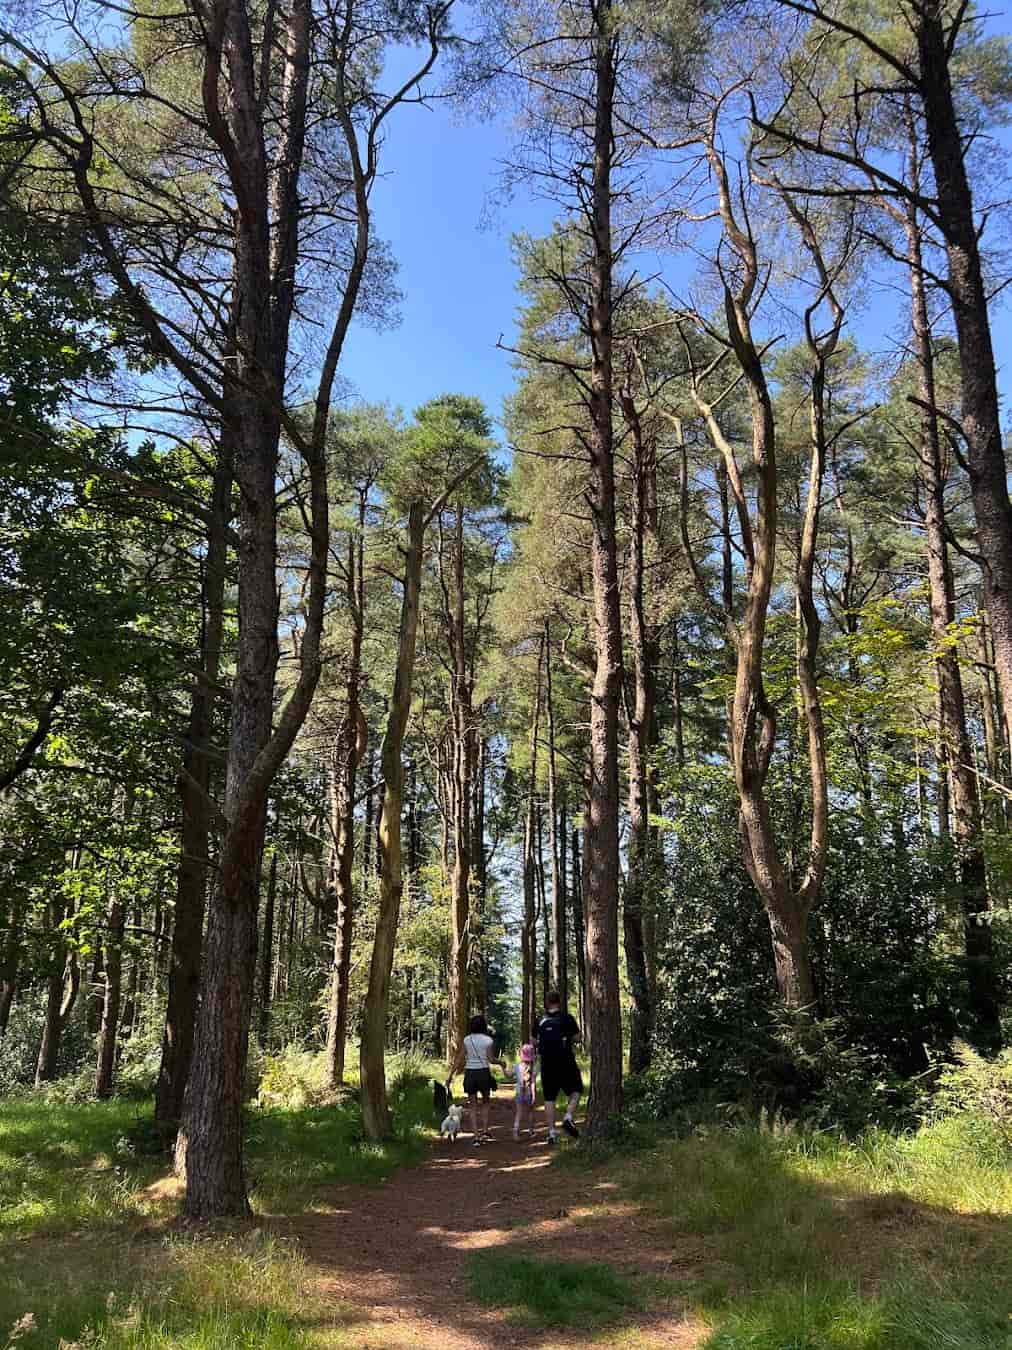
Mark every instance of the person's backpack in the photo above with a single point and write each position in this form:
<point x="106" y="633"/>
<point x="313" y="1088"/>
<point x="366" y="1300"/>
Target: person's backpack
<point x="553" y="1036"/>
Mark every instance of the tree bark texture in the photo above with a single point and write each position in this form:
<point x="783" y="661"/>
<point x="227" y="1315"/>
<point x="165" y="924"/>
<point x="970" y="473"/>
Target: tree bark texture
<point x="348" y="752"/>
<point x="194" y="785"/>
<point x="981" y="422"/>
<point x="967" y="824"/>
<point x="601" y="826"/>
<point x="375" y="1112"/>
<point x="529" y="931"/>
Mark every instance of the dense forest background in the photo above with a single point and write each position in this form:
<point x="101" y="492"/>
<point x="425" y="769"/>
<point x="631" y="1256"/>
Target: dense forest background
<point x="681" y="683"/>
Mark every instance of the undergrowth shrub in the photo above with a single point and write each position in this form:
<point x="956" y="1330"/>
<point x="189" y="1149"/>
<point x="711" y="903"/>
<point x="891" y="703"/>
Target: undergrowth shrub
<point x="978" y="1092"/>
<point x="294" y="1078"/>
<point x="892" y="993"/>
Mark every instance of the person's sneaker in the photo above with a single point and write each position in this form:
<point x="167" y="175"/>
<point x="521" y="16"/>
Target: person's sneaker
<point x="476" y="1141"/>
<point x="552" y="1140"/>
<point x="570" y="1128"/>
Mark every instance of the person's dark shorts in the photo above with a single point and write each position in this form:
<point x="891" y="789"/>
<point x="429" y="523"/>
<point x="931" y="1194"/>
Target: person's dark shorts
<point x="561" y="1075"/>
<point x="478" y="1083"/>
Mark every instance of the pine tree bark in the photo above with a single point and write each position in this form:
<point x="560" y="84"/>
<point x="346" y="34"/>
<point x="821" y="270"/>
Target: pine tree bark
<point x="638" y="898"/>
<point x="967" y="823"/>
<point x="375" y="1111"/>
<point x="463" y="751"/>
<point x="981" y="422"/>
<point x="348" y="752"/>
<point x="579" y="931"/>
<point x="529" y="931"/>
<point x="560" y="977"/>
<point x="194" y="787"/>
<point x="601" y="827"/>
<point x="267" y="953"/>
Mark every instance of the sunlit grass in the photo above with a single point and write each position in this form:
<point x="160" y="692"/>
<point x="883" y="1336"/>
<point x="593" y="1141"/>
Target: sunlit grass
<point x="811" y="1242"/>
<point x="86" y="1251"/>
<point x="209" y="1294"/>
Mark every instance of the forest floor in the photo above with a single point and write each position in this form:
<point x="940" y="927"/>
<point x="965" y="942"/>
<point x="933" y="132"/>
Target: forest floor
<point x="414" y="1261"/>
<point x="725" y="1238"/>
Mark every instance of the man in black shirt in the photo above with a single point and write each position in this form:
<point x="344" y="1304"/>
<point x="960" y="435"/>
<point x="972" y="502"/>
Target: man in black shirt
<point x="555" y="1036"/>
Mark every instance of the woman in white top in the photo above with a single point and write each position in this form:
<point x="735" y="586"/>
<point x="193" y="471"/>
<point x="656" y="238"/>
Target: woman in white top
<point x="475" y="1057"/>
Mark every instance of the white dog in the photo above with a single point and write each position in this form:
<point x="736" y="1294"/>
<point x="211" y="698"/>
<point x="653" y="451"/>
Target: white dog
<point x="451" y="1124"/>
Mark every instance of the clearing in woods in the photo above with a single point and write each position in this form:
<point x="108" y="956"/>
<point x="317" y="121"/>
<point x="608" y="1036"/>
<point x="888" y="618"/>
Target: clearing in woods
<point x="396" y="1255"/>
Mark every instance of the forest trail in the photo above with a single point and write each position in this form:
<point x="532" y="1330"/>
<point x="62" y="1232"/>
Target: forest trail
<point x="394" y="1256"/>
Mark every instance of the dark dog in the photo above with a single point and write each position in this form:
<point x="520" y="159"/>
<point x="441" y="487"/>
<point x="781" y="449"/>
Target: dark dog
<point x="440" y="1098"/>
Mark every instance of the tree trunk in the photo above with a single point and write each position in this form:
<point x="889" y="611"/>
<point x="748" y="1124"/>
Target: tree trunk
<point x="638" y="898"/>
<point x="559" y="964"/>
<point x="463" y="751"/>
<point x="267" y="953"/>
<point x="10" y="957"/>
<point x="194" y="790"/>
<point x="981" y="419"/>
<point x="601" y="827"/>
<point x="375" y="1113"/>
<point x="579" y="931"/>
<point x="113" y="971"/>
<point x="546" y="928"/>
<point x="62" y="987"/>
<point x="966" y="813"/>
<point x="481" y="866"/>
<point x="529" y="932"/>
<point x="348" y="754"/>
<point x="369" y="829"/>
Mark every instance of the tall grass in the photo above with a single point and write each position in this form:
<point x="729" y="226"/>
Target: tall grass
<point x="87" y="1257"/>
<point x="816" y="1243"/>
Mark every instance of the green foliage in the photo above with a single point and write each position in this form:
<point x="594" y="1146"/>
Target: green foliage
<point x="549" y="1290"/>
<point x="293" y="1079"/>
<point x="896" y="996"/>
<point x="978" y="1092"/>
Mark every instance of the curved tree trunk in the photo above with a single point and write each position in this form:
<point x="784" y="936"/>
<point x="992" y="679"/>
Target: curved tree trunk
<point x="375" y="1112"/>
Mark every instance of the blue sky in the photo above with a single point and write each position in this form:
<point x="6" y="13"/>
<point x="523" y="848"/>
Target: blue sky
<point x="433" y="208"/>
<point x="436" y="208"/>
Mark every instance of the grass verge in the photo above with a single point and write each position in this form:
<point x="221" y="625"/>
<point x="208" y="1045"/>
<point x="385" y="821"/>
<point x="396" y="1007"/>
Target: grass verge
<point x="816" y="1243"/>
<point x="87" y="1259"/>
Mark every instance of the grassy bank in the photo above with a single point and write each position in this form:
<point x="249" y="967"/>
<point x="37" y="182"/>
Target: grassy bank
<point x="814" y="1243"/>
<point x="90" y="1253"/>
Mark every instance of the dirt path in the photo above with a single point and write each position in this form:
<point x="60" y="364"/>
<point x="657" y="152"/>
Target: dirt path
<point x="393" y="1256"/>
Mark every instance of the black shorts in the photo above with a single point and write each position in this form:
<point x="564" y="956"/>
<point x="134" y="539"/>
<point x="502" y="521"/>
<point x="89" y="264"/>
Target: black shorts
<point x="560" y="1075"/>
<point x="478" y="1083"/>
